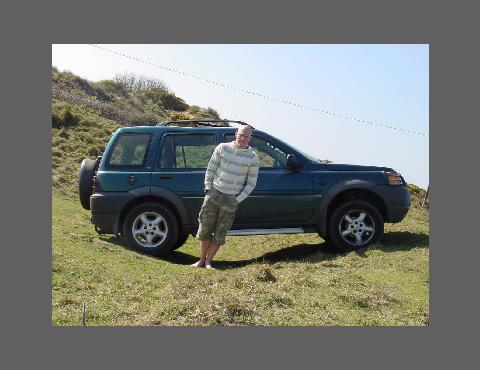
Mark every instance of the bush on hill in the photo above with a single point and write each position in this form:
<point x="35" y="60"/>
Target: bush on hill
<point x="111" y="90"/>
<point x="136" y="83"/>
<point x="63" y="115"/>
<point x="197" y="112"/>
<point x="166" y="100"/>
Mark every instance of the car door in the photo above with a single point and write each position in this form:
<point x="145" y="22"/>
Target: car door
<point x="181" y="167"/>
<point x="281" y="196"/>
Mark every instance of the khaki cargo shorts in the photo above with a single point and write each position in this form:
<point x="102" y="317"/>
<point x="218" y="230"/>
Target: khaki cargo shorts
<point x="216" y="216"/>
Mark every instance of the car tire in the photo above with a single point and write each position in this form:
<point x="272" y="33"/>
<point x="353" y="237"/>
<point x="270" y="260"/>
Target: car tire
<point x="151" y="228"/>
<point x="182" y="238"/>
<point x="85" y="180"/>
<point x="354" y="225"/>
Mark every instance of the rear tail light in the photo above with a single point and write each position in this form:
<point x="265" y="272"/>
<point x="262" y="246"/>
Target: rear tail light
<point x="94" y="184"/>
<point x="394" y="178"/>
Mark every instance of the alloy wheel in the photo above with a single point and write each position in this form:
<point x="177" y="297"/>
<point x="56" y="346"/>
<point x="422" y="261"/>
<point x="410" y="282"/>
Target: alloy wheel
<point x="149" y="229"/>
<point x="356" y="227"/>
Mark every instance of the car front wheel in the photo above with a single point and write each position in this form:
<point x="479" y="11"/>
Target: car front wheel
<point x="355" y="224"/>
<point x="182" y="238"/>
<point x="151" y="228"/>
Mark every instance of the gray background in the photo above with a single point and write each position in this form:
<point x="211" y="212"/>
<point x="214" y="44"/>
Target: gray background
<point x="28" y="30"/>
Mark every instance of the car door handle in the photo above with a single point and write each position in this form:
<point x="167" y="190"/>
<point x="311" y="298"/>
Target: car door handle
<point x="166" y="177"/>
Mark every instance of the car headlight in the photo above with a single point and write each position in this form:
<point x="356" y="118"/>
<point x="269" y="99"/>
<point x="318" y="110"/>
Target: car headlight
<point x="394" y="178"/>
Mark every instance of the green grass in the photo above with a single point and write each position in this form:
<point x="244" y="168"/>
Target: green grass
<point x="260" y="280"/>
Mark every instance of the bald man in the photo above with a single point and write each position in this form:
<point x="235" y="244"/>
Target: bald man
<point x="231" y="176"/>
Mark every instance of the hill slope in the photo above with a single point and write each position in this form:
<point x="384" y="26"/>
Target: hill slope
<point x="85" y="114"/>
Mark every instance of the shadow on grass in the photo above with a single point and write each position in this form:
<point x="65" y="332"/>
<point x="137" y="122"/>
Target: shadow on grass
<point x="176" y="257"/>
<point x="402" y="241"/>
<point x="307" y="253"/>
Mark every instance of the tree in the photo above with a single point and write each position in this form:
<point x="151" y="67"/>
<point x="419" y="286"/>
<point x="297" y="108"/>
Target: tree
<point x="140" y="83"/>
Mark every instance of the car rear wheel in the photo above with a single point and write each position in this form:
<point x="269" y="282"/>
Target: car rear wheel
<point x="151" y="228"/>
<point x="355" y="224"/>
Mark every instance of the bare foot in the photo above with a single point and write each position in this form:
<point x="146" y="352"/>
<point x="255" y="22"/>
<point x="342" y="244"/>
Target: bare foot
<point x="208" y="265"/>
<point x="198" y="264"/>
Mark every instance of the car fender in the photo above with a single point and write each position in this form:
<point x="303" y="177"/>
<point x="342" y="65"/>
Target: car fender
<point x="331" y="193"/>
<point x="175" y="200"/>
<point x="125" y="200"/>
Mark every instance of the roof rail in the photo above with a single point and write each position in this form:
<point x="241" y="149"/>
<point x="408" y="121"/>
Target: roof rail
<point x="203" y="122"/>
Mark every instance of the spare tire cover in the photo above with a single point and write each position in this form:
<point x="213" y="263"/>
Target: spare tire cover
<point x="87" y="170"/>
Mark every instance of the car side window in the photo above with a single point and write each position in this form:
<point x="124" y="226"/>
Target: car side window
<point x="129" y="150"/>
<point x="268" y="154"/>
<point x="186" y="151"/>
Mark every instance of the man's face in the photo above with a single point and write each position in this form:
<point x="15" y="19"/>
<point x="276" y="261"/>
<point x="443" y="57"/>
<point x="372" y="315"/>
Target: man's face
<point x="243" y="136"/>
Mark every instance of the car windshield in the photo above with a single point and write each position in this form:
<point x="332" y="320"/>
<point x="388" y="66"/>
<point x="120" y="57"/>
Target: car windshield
<point x="313" y="159"/>
<point x="308" y="156"/>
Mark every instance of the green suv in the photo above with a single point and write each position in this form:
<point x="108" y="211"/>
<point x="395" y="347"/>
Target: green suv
<point x="148" y="186"/>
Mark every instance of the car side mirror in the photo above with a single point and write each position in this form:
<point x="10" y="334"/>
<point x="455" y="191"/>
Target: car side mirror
<point x="292" y="162"/>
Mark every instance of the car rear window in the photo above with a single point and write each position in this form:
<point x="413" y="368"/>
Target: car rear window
<point x="187" y="151"/>
<point x="129" y="150"/>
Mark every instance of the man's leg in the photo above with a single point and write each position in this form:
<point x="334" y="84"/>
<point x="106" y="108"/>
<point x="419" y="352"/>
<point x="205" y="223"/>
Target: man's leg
<point x="211" y="253"/>
<point x="225" y="221"/>
<point x="205" y="246"/>
<point x="207" y="220"/>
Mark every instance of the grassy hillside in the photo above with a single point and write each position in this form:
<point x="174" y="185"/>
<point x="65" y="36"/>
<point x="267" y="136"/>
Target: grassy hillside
<point x="85" y="114"/>
<point x="260" y="280"/>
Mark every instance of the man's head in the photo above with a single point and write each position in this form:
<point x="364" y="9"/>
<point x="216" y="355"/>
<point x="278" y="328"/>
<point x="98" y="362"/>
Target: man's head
<point x="243" y="136"/>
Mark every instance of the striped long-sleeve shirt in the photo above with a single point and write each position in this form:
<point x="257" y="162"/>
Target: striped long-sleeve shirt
<point x="232" y="170"/>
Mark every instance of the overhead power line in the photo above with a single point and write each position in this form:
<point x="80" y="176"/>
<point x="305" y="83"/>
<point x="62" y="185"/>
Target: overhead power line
<point x="358" y="120"/>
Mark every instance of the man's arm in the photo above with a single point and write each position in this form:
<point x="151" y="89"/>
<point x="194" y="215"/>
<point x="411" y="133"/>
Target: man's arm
<point x="252" y="176"/>
<point x="212" y="167"/>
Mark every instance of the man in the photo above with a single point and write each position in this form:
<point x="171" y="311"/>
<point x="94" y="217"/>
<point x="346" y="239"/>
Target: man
<point x="231" y="176"/>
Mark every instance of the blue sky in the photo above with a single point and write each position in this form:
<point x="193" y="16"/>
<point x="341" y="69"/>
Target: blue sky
<point x="386" y="84"/>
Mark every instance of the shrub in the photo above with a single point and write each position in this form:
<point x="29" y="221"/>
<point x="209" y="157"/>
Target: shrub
<point x="64" y="116"/>
<point x="418" y="194"/>
<point x="172" y="102"/>
<point x="110" y="89"/>
<point x="416" y="190"/>
<point x="197" y="112"/>
<point x="180" y="115"/>
<point x="155" y="95"/>
<point x="141" y="119"/>
<point x="134" y="103"/>
<point x="159" y="100"/>
<point x="210" y="112"/>
<point x="133" y="82"/>
<point x="194" y="109"/>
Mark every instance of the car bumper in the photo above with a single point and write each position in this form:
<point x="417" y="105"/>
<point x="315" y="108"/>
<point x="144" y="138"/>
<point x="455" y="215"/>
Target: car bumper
<point x="105" y="224"/>
<point x="106" y="209"/>
<point x="397" y="201"/>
